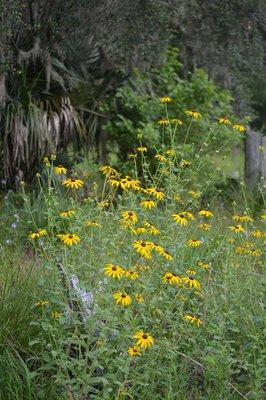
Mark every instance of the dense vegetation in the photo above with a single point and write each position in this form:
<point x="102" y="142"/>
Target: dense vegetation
<point x="132" y="243"/>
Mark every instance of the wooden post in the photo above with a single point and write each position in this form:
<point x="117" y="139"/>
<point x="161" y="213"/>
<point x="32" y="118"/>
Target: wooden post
<point x="255" y="158"/>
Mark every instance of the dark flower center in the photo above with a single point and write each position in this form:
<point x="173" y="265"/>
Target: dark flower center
<point x="144" y="336"/>
<point x="114" y="268"/>
<point x="123" y="296"/>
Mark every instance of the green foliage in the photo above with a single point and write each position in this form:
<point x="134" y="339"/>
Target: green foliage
<point x="136" y="109"/>
<point x="54" y="345"/>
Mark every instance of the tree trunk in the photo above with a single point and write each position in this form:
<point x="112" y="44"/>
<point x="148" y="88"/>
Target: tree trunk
<point x="255" y="158"/>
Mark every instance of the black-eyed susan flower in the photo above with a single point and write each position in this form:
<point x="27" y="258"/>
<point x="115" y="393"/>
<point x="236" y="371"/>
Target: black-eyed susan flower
<point x="176" y="121"/>
<point x="255" y="252"/>
<point x="237" y="228"/>
<point x="205" y="213"/>
<point x="193" y="114"/>
<point x="239" y="127"/>
<point x="170" y="152"/>
<point x="37" y="234"/>
<point x="67" y="213"/>
<point x="191" y="282"/>
<point x="144" y="248"/>
<point x="142" y="149"/>
<point x="156" y="193"/>
<point x="241" y="250"/>
<point x="166" y="99"/>
<point x="242" y="218"/>
<point x="129" y="217"/>
<point x="114" y="182"/>
<point x="73" y="183"/>
<point x="107" y="170"/>
<point x="138" y="230"/>
<point x="163" y="122"/>
<point x="205" y="227"/>
<point x="194" y="194"/>
<point x="167" y="255"/>
<point x="194" y="243"/>
<point x="144" y="339"/>
<point x="152" y="229"/>
<point x="92" y="223"/>
<point x="69" y="238"/>
<point x="187" y="215"/>
<point x="203" y="265"/>
<point x="131" y="274"/>
<point x="139" y="297"/>
<point x="193" y="320"/>
<point x="160" y="250"/>
<point x="191" y="272"/>
<point x="134" y="351"/>
<point x="168" y="278"/>
<point x="224" y="121"/>
<point x="130" y="183"/>
<point x="185" y="163"/>
<point x="257" y="233"/>
<point x="114" y="271"/>
<point x="103" y="204"/>
<point x="42" y="303"/>
<point x="122" y="298"/>
<point x="180" y="219"/>
<point x="161" y="158"/>
<point x="59" y="169"/>
<point x="148" y="203"/>
<point x="177" y="279"/>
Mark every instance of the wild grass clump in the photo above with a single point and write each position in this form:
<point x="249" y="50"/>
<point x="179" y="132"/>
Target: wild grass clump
<point x="137" y="288"/>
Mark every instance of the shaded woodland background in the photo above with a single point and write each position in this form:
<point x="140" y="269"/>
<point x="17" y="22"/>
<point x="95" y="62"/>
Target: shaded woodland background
<point x="63" y="63"/>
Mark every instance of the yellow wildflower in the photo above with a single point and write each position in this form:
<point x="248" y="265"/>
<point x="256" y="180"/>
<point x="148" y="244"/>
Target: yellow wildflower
<point x="67" y="213"/>
<point x="122" y="298"/>
<point x="134" y="351"/>
<point x="166" y="99"/>
<point x="59" y="169"/>
<point x="193" y="320"/>
<point x="194" y="243"/>
<point x="176" y="121"/>
<point x="237" y="228"/>
<point x="107" y="170"/>
<point x="224" y="120"/>
<point x="206" y="227"/>
<point x="148" y="203"/>
<point x="39" y="233"/>
<point x="180" y="219"/>
<point x="191" y="282"/>
<point x="185" y="163"/>
<point x="144" y="339"/>
<point x="156" y="193"/>
<point x="73" y="183"/>
<point x="205" y="213"/>
<point x="69" y="238"/>
<point x="240" y="127"/>
<point x="93" y="223"/>
<point x="163" y="122"/>
<point x="193" y="114"/>
<point x="142" y="149"/>
<point x="129" y="217"/>
<point x="114" y="271"/>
